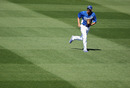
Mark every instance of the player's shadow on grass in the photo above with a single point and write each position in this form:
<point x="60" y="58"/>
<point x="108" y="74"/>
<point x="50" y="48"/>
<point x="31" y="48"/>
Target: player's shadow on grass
<point x="89" y="49"/>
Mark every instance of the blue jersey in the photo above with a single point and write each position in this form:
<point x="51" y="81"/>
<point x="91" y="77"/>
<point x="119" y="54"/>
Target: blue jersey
<point x="85" y="16"/>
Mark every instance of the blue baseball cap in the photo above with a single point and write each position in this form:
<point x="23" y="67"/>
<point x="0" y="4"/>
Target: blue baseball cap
<point x="90" y="7"/>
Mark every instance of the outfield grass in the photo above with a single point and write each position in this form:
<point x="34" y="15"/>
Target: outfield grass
<point x="35" y="50"/>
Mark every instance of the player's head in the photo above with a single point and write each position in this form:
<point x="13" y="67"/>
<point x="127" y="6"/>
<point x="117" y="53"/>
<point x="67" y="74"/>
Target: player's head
<point x="89" y="9"/>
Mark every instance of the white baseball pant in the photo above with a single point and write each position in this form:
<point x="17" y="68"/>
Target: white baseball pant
<point x="84" y="32"/>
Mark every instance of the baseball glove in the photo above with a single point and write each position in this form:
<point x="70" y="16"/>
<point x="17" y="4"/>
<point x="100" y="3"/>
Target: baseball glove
<point x="89" y="21"/>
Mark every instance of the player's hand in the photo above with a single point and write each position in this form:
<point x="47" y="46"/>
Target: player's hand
<point x="79" y="25"/>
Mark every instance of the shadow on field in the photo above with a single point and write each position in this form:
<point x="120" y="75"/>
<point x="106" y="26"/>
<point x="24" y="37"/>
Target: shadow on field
<point x="35" y="84"/>
<point x="9" y="57"/>
<point x="89" y="49"/>
<point x="94" y="49"/>
<point x="20" y="73"/>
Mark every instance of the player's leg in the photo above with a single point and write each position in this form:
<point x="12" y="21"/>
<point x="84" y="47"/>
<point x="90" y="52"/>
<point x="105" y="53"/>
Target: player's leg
<point x="76" y="37"/>
<point x="84" y="40"/>
<point x="85" y="32"/>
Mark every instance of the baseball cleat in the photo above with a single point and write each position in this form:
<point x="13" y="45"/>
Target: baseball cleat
<point x="71" y="40"/>
<point x="85" y="50"/>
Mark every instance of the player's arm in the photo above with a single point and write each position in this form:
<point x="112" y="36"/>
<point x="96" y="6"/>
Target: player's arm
<point x="94" y="21"/>
<point x="78" y="19"/>
<point x="79" y="16"/>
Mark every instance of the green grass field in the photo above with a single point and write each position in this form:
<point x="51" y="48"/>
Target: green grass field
<point x="35" y="50"/>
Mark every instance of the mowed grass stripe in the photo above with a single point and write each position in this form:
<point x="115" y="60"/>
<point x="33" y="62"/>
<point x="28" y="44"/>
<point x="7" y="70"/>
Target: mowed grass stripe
<point x="36" y="32"/>
<point x="58" y="84"/>
<point x="53" y="7"/>
<point x="101" y="23"/>
<point x="111" y="2"/>
<point x="25" y="72"/>
<point x="111" y="33"/>
<point x="15" y="75"/>
<point x="63" y="2"/>
<point x="75" y="56"/>
<point x="9" y="57"/>
<point x="123" y="33"/>
<point x="18" y="13"/>
<point x="89" y="72"/>
<point x="19" y="71"/>
<point x="124" y="42"/>
<point x="62" y="14"/>
<point x="120" y="6"/>
<point x="51" y="22"/>
<point x="36" y="84"/>
<point x="121" y="38"/>
<point x="32" y="22"/>
<point x="55" y="43"/>
<point x="102" y="84"/>
<point x="74" y="14"/>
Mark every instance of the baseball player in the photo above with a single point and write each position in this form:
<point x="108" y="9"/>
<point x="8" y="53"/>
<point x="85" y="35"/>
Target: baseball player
<point x="88" y="19"/>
